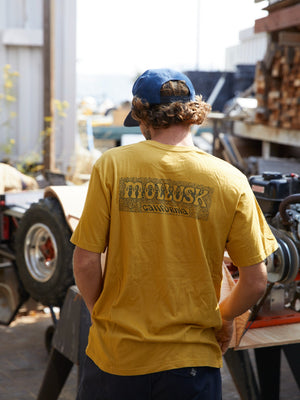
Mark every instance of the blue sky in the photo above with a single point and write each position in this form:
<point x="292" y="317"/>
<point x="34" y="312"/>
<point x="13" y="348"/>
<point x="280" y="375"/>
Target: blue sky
<point x="127" y="37"/>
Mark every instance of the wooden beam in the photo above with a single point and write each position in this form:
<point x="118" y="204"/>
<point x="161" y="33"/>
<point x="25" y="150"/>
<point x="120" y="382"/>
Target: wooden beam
<point x="277" y="20"/>
<point x="270" y="336"/>
<point x="279" y="4"/>
<point x="267" y="133"/>
<point x="48" y="57"/>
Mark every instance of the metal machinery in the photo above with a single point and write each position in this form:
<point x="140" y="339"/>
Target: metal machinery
<point x="279" y="198"/>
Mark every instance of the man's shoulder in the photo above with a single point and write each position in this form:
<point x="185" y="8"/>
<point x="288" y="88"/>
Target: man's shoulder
<point x="222" y="166"/>
<point x="119" y="153"/>
<point x="124" y="149"/>
<point x="225" y="175"/>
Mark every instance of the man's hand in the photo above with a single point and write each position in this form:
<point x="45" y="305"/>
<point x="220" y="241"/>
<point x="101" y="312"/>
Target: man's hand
<point x="249" y="288"/>
<point x="224" y="335"/>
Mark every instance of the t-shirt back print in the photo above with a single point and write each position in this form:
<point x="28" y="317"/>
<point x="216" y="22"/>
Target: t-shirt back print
<point x="165" y="196"/>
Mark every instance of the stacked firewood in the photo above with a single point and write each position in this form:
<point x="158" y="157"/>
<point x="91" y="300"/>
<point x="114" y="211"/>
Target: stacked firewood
<point x="277" y="82"/>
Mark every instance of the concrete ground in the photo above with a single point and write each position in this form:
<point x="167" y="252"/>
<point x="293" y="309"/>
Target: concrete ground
<point x="23" y="361"/>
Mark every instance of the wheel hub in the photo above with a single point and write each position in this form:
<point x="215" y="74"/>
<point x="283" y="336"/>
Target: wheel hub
<point x="40" y="252"/>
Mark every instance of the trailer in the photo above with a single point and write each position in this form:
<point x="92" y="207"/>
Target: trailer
<point x="35" y="248"/>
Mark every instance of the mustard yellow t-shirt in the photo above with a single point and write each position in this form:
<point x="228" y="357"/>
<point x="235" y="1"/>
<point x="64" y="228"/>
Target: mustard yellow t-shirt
<point x="166" y="214"/>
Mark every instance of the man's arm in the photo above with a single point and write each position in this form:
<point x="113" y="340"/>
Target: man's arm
<point x="248" y="290"/>
<point x="88" y="275"/>
<point x="250" y="287"/>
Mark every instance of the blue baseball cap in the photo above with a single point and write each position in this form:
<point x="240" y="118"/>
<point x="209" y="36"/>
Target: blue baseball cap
<point x="147" y="88"/>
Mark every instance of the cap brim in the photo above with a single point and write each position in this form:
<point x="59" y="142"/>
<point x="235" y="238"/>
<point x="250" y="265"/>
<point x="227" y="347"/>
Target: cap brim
<point x="129" y="121"/>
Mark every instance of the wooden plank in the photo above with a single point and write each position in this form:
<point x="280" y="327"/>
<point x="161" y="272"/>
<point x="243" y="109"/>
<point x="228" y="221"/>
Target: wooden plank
<point x="270" y="336"/>
<point x="267" y="133"/>
<point x="270" y="54"/>
<point x="231" y="152"/>
<point x="277" y="86"/>
<point x="278" y="20"/>
<point x="289" y="38"/>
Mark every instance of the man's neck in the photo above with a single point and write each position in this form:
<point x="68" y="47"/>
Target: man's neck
<point x="176" y="135"/>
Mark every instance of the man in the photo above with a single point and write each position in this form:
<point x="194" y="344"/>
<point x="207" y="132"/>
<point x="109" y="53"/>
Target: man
<point x="165" y="211"/>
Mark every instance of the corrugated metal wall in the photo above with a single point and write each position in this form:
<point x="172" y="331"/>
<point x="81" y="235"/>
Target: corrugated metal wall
<point x="21" y="48"/>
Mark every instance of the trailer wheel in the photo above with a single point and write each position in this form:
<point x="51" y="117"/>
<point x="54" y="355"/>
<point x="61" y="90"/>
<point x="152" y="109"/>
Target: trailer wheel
<point x="44" y="252"/>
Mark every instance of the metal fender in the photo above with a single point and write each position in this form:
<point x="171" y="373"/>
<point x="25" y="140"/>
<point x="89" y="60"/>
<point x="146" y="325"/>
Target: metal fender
<point x="71" y="199"/>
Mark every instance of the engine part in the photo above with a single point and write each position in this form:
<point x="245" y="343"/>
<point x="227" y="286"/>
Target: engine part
<point x="271" y="188"/>
<point x="283" y="264"/>
<point x="278" y="196"/>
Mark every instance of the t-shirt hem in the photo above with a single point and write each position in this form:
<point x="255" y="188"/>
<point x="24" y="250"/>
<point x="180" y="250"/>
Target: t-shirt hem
<point x="87" y="246"/>
<point x="155" y="368"/>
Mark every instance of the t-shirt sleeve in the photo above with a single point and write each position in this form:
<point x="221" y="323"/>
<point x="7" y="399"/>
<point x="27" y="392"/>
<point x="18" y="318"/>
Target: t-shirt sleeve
<point x="250" y="239"/>
<point x="92" y="230"/>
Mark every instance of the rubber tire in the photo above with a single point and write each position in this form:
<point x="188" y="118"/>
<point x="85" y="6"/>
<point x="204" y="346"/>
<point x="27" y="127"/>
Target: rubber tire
<point x="53" y="291"/>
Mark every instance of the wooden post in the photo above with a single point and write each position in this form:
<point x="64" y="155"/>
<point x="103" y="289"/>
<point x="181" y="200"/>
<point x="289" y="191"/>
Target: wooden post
<point x="48" y="59"/>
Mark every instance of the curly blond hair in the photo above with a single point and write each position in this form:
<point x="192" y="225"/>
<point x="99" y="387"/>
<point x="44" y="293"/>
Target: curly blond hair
<point x="172" y="113"/>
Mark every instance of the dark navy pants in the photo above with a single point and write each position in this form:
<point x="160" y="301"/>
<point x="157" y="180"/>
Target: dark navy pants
<point x="194" y="383"/>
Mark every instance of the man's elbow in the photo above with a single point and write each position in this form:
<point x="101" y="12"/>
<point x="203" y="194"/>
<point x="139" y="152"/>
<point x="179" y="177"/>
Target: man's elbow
<point x="77" y="258"/>
<point x="82" y="256"/>
<point x="82" y="259"/>
<point x="254" y="279"/>
<point x="262" y="280"/>
<point x="260" y="286"/>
